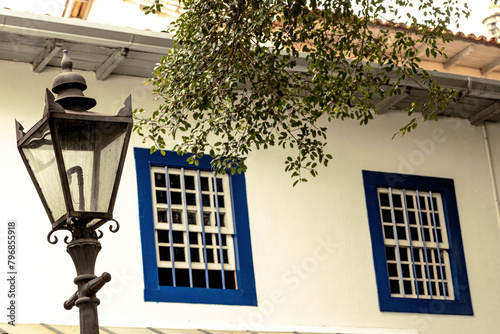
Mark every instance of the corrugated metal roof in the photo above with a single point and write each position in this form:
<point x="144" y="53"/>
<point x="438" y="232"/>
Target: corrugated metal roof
<point x="65" y="329"/>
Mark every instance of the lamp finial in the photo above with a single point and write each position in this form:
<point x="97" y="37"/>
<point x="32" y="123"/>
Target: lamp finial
<point x="66" y="62"/>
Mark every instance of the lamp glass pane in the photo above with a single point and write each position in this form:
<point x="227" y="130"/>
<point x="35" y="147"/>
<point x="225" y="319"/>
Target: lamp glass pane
<point x="40" y="155"/>
<point x="91" y="152"/>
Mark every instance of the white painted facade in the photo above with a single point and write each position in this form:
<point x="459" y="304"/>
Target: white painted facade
<point x="311" y="245"/>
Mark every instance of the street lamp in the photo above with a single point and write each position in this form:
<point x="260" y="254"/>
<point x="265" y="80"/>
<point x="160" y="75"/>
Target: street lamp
<point x="75" y="159"/>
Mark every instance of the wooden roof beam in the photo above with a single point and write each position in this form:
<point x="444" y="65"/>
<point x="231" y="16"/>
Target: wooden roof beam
<point x="111" y="63"/>
<point x="46" y="55"/>
<point x="491" y="66"/>
<point x="422" y="47"/>
<point x="390" y="101"/>
<point x="459" y="56"/>
<point x="484" y="114"/>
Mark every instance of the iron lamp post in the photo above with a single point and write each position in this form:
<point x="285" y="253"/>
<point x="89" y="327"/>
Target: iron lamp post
<point x="75" y="159"/>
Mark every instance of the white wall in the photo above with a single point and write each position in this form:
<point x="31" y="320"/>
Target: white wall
<point x="311" y="244"/>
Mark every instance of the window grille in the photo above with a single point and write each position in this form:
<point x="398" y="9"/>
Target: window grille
<point x="194" y="228"/>
<point x="416" y="243"/>
<point x="417" y="246"/>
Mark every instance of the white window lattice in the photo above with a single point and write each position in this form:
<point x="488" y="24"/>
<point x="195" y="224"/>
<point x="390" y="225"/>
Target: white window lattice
<point x="416" y="244"/>
<point x="189" y="252"/>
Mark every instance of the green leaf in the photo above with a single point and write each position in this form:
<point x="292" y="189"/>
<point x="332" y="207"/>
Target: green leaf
<point x="231" y="84"/>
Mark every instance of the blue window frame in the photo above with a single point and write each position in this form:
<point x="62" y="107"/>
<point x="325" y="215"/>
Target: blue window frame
<point x="195" y="232"/>
<point x="417" y="245"/>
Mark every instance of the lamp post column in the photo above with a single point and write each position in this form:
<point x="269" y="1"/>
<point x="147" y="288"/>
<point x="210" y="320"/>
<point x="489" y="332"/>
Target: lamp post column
<point x="84" y="252"/>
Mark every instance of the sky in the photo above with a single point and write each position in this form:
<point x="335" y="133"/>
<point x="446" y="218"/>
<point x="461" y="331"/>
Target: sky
<point x="55" y="7"/>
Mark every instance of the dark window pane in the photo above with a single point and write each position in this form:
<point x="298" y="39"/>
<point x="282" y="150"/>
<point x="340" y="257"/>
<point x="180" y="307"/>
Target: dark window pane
<point x="210" y="256"/>
<point x="192" y="217"/>
<point x="438" y="271"/>
<point x="162" y="216"/>
<point x="421" y="288"/>
<point x="412" y="218"/>
<point x="206" y="219"/>
<point x="398" y="215"/>
<point x="193" y="238"/>
<point x="164" y="253"/>
<point x="405" y="268"/>
<point x="429" y="255"/>
<point x="396" y="201"/>
<point x="447" y="292"/>
<point x="230" y="279"/>
<point x="425" y="220"/>
<point x="416" y="255"/>
<point x="434" y="203"/>
<point x="208" y="238"/>
<point x="408" y="287"/>
<point x="176" y="197"/>
<point x="439" y="236"/>
<point x="220" y="189"/>
<point x="220" y="200"/>
<point x="162" y="236"/>
<point x="218" y="255"/>
<point x="215" y="279"/>
<point x="176" y="217"/>
<point x="390" y="253"/>
<point x="422" y="203"/>
<point x="427" y="234"/>
<point x="178" y="237"/>
<point x="442" y="256"/>
<point x="386" y="216"/>
<point x="431" y="272"/>
<point x="223" y="238"/>
<point x="160" y="180"/>
<point x="392" y="268"/>
<point x="165" y="277"/>
<point x="189" y="182"/>
<point x="199" y="280"/>
<point x="204" y="184"/>
<point x="205" y="199"/>
<point x="389" y="232"/>
<point x="182" y="277"/>
<point x="418" y="271"/>
<point x="190" y="199"/>
<point x="394" y="284"/>
<point x="436" y="219"/>
<point x="403" y="253"/>
<point x="401" y="232"/>
<point x="384" y="199"/>
<point x="179" y="254"/>
<point x="175" y="181"/>
<point x="433" y="287"/>
<point x="195" y="255"/>
<point x="221" y="220"/>
<point x="161" y="197"/>
<point x="414" y="234"/>
<point x="409" y="202"/>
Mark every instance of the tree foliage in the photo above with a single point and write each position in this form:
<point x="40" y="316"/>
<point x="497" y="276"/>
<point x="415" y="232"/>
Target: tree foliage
<point x="251" y="74"/>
